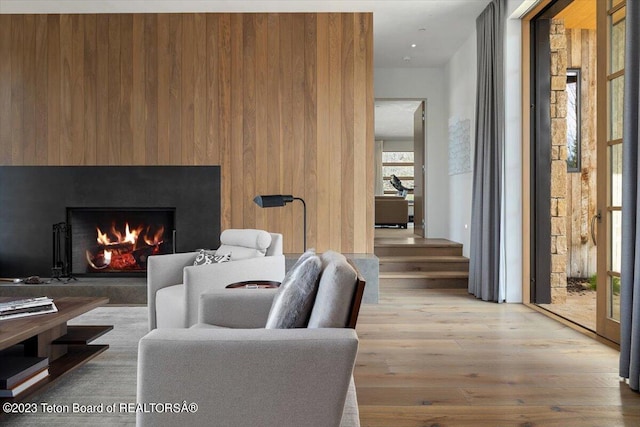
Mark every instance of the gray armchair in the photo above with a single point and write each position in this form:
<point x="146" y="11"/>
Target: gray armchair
<point x="174" y="284"/>
<point x="240" y="373"/>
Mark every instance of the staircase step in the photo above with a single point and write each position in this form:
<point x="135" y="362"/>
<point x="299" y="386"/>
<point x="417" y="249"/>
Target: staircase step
<point x="398" y="249"/>
<point x="423" y="263"/>
<point x="425" y="280"/>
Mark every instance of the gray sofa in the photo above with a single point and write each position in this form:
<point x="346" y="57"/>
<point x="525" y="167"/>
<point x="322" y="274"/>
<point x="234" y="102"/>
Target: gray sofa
<point x="391" y="210"/>
<point x="241" y="374"/>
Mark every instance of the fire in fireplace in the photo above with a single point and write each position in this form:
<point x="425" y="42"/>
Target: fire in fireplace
<point x="107" y="241"/>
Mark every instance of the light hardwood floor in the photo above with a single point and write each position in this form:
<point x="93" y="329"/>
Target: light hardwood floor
<point x="439" y="357"/>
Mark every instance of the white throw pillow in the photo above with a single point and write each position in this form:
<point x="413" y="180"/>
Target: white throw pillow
<point x="205" y="257"/>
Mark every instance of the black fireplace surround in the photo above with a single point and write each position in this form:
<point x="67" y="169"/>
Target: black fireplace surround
<point x="34" y="198"/>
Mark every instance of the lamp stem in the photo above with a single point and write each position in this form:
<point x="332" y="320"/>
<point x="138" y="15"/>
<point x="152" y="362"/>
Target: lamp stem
<point x="304" y="231"/>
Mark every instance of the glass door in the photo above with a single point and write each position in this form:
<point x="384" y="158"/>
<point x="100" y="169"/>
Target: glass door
<point x="611" y="30"/>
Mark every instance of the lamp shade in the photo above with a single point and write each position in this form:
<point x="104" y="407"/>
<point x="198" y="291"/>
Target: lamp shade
<point x="272" y="200"/>
<point x="278" y="200"/>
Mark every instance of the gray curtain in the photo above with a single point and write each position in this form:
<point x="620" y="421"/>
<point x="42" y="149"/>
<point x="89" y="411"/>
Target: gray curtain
<point x="630" y="292"/>
<point x="484" y="266"/>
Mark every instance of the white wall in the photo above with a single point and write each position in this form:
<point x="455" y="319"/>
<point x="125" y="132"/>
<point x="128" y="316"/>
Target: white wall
<point x="425" y="83"/>
<point x="461" y="76"/>
<point x="398" y="145"/>
<point x="512" y="218"/>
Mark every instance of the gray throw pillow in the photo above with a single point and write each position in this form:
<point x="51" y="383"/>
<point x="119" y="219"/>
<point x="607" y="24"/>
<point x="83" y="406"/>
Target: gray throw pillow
<point x="292" y="304"/>
<point x="309" y="253"/>
<point x="336" y="287"/>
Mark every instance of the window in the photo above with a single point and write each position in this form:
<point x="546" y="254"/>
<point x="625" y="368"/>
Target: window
<point x="573" y="120"/>
<point x="400" y="164"/>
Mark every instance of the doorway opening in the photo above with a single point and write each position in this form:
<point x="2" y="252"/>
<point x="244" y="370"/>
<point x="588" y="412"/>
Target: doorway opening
<point x="575" y="162"/>
<point x="399" y="164"/>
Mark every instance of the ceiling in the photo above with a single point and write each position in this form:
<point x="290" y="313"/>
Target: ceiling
<point x="437" y="27"/>
<point x="580" y="14"/>
<point x="394" y="119"/>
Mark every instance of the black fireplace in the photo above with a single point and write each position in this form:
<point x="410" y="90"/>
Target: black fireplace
<point x="75" y="201"/>
<point x="108" y="241"/>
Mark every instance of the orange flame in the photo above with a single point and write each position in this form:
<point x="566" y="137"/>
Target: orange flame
<point x="103" y="239"/>
<point x="157" y="237"/>
<point x="130" y="236"/>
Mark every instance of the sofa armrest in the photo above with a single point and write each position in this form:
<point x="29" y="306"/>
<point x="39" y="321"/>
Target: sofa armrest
<point x="163" y="271"/>
<point x="266" y="377"/>
<point x="236" y="308"/>
<point x="203" y="278"/>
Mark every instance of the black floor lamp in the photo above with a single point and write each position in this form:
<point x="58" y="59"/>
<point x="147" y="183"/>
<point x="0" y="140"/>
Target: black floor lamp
<point x="278" y="200"/>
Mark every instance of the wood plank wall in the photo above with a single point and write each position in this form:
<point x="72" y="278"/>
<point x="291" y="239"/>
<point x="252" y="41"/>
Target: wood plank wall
<point x="283" y="102"/>
<point x="582" y="186"/>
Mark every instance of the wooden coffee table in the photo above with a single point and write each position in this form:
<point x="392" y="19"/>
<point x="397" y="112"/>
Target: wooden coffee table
<point x="48" y="335"/>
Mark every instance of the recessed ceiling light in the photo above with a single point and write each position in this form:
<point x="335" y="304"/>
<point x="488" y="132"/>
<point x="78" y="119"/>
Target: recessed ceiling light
<point x="413" y="45"/>
<point x="407" y="58"/>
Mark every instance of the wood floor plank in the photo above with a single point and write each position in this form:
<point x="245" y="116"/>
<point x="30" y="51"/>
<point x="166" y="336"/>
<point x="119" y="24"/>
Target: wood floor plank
<point x="472" y="416"/>
<point x="440" y="357"/>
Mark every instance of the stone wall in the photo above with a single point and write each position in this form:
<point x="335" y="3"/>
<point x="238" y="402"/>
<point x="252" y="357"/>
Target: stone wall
<point x="558" y="42"/>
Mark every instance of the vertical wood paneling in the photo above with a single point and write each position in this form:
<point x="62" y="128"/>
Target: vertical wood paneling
<point x="66" y="89"/>
<point x="77" y="123"/>
<point x="273" y="104"/>
<point x="287" y="140"/>
<point x="53" y="90"/>
<point x="90" y="90"/>
<point x="347" y="134"/>
<point x="138" y="92"/>
<point x="324" y="154"/>
<point x="368" y="245"/>
<point x="224" y="116"/>
<point x="188" y="87"/>
<point x="581" y="187"/>
<point x="5" y="90"/>
<point x="102" y="89"/>
<point x="311" y="124"/>
<point x="126" y="89"/>
<point x="17" y="95"/>
<point x="335" y="128"/>
<point x="213" y="97"/>
<point x="200" y="90"/>
<point x="299" y="128"/>
<point x="29" y="90"/>
<point x="237" y="122"/>
<point x="114" y="91"/>
<point x="283" y="102"/>
<point x="152" y="145"/>
<point x="262" y="159"/>
<point x="163" y="63"/>
<point x="175" y="89"/>
<point x="360" y="132"/>
<point x="249" y="115"/>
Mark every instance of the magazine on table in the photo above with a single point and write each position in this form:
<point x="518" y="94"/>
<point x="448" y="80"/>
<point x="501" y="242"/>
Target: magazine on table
<point x="26" y="307"/>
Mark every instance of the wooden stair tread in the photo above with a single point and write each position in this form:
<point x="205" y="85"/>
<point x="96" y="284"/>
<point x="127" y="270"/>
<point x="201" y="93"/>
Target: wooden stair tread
<point x="415" y="242"/>
<point x="425" y="275"/>
<point x="422" y="258"/>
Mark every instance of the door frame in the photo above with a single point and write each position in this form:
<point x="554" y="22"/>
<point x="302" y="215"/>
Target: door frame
<point x="424" y="165"/>
<point x="528" y="96"/>
<point x="420" y="169"/>
<point x="605" y="326"/>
